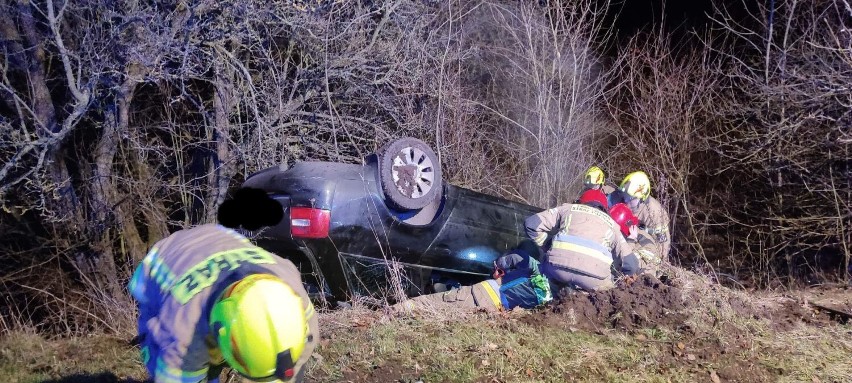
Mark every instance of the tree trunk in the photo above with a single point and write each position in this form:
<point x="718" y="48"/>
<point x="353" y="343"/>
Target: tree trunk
<point x="221" y="169"/>
<point x="110" y="210"/>
<point x="64" y="208"/>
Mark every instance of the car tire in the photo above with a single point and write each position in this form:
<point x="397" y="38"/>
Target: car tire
<point x="409" y="173"/>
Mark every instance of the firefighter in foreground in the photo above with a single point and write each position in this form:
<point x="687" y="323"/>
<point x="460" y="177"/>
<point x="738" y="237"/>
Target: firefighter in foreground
<point x="586" y="246"/>
<point x="644" y="259"/>
<point x="208" y="299"/>
<point x="635" y="192"/>
<point x="517" y="282"/>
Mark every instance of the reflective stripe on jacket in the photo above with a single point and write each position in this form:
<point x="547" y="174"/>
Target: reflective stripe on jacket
<point x="586" y="240"/>
<point x="581" y="254"/>
<point x="492" y="293"/>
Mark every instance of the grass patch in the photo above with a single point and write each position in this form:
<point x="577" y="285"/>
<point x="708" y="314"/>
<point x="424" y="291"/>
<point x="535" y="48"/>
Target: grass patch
<point x="492" y="348"/>
<point x="723" y="336"/>
<point x="810" y="352"/>
<point x="29" y="358"/>
<point x="508" y="348"/>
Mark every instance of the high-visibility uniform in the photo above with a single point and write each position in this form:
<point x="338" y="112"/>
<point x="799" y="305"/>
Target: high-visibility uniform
<point x="586" y="247"/>
<point x="177" y="284"/>
<point x="522" y="285"/>
<point x="652" y="216"/>
<point x="656" y="220"/>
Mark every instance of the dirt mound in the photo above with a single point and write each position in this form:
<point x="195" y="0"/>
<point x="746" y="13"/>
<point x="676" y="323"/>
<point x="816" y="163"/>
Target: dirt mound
<point x="651" y="303"/>
<point x="647" y="302"/>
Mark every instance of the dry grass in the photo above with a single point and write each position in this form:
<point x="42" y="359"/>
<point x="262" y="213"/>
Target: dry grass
<point x="26" y="357"/>
<point x="469" y="348"/>
<point x="513" y="348"/>
<point x="823" y="352"/>
<point x="361" y="345"/>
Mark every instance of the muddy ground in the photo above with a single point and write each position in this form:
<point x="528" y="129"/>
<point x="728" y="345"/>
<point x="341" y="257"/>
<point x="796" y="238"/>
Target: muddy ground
<point x="650" y="302"/>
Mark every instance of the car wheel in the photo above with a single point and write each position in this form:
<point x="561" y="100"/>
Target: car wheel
<point x="409" y="173"/>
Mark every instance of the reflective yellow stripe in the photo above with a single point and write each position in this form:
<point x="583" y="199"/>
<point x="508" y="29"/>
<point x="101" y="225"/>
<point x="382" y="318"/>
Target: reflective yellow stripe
<point x="582" y="250"/>
<point x="203" y="274"/>
<point x="150" y="256"/>
<point x="648" y="256"/>
<point x="659" y="230"/>
<point x="540" y="239"/>
<point x="492" y="294"/>
<point x="169" y="374"/>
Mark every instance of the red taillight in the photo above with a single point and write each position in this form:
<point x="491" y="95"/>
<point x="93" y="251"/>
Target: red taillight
<point x="306" y="222"/>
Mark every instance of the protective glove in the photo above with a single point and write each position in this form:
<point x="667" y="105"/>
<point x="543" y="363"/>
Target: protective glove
<point x="214" y="372"/>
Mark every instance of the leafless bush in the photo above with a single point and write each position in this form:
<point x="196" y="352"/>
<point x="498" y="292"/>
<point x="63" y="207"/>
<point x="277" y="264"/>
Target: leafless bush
<point x="529" y="104"/>
<point x="660" y="103"/>
<point x="124" y="121"/>
<point x="156" y="110"/>
<point x="786" y="140"/>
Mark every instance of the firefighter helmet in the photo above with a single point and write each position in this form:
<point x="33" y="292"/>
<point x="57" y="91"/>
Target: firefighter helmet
<point x="260" y="326"/>
<point x="594" y="177"/>
<point x="594" y="198"/>
<point x="624" y="217"/>
<point x="636" y="185"/>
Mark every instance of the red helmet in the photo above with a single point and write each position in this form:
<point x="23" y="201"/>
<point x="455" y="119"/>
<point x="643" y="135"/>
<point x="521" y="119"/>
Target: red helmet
<point x="594" y="198"/>
<point x="622" y="215"/>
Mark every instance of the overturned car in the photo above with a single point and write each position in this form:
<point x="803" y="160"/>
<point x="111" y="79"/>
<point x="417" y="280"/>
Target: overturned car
<point x="347" y="226"/>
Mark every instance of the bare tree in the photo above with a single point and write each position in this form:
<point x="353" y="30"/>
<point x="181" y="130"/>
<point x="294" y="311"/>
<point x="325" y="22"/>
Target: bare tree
<point x="661" y="102"/>
<point x="787" y="137"/>
<point x="124" y="121"/>
<point x="533" y="75"/>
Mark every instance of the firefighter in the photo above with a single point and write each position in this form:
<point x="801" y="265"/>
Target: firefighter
<point x="586" y="245"/>
<point x="593" y="179"/>
<point x="208" y="299"/>
<point x="644" y="259"/>
<point x="517" y="282"/>
<point x="635" y="192"/>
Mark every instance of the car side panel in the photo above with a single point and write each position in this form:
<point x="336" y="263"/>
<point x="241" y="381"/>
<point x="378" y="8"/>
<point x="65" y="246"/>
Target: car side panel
<point x="480" y="229"/>
<point x="471" y="230"/>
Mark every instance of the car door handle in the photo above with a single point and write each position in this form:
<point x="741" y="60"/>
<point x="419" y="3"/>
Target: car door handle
<point x="443" y="250"/>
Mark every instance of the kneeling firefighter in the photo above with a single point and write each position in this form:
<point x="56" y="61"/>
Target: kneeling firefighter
<point x="208" y="299"/>
<point x="587" y="247"/>
<point x="517" y="282"/>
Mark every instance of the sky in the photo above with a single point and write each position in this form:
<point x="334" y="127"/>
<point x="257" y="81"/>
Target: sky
<point x="680" y="15"/>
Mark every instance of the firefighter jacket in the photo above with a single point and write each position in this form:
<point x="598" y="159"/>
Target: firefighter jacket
<point x="656" y="220"/>
<point x="652" y="216"/>
<point x="176" y="285"/>
<point x="585" y="240"/>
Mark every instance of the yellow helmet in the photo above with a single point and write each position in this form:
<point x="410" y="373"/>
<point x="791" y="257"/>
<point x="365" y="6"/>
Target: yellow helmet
<point x="260" y="326"/>
<point x="636" y="185"/>
<point x="594" y="176"/>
